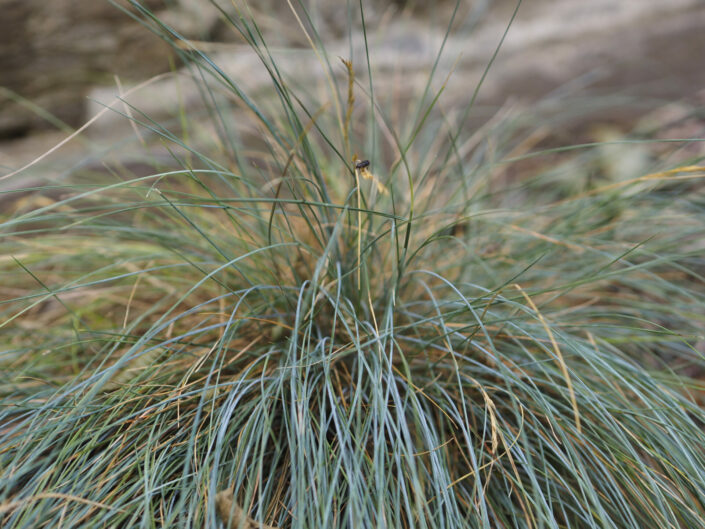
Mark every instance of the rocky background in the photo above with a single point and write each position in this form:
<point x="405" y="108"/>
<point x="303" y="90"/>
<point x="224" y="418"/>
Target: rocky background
<point x="61" y="61"/>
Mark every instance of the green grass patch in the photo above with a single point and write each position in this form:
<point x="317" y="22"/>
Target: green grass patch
<point x="471" y="331"/>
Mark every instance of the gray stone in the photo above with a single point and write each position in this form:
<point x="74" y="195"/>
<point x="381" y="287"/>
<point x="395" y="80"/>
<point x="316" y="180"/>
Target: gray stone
<point x="639" y="53"/>
<point x="53" y="51"/>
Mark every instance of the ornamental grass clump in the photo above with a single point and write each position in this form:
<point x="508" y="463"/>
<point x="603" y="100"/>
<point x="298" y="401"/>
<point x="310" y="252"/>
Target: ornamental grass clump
<point x="350" y="321"/>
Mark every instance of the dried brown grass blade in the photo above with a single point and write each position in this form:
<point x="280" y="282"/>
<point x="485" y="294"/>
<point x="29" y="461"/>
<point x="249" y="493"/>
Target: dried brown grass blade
<point x="233" y="515"/>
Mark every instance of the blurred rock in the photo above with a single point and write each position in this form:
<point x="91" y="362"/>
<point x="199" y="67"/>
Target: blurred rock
<point x="53" y="51"/>
<point x="631" y="55"/>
